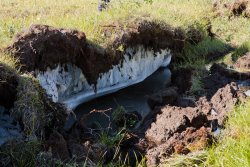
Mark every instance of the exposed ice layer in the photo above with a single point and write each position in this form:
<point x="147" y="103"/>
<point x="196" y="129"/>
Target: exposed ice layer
<point x="67" y="83"/>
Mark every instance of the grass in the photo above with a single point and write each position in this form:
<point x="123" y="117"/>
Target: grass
<point x="21" y="154"/>
<point x="240" y="51"/>
<point x="192" y="159"/>
<point x="16" y="15"/>
<point x="197" y="56"/>
<point x="233" y="148"/>
<point x="8" y="60"/>
<point x="29" y="107"/>
<point x="112" y="141"/>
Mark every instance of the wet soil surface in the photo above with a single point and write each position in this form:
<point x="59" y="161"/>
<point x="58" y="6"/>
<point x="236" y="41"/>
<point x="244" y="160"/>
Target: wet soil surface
<point x="169" y="121"/>
<point x="181" y="130"/>
<point x="171" y="124"/>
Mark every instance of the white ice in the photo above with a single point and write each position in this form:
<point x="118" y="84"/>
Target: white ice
<point x="67" y="83"/>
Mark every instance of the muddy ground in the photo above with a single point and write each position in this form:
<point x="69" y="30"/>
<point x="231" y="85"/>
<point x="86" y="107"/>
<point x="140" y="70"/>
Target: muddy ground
<point x="176" y="124"/>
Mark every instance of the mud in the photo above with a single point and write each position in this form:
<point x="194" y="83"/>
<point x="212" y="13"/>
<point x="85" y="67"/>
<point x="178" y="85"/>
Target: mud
<point x="176" y="124"/>
<point x="177" y="128"/>
<point x="167" y="96"/>
<point x="181" y="130"/>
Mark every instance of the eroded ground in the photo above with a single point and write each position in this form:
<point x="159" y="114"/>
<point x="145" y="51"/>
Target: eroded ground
<point x="186" y="116"/>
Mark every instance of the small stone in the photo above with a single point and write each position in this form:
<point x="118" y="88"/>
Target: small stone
<point x="213" y="112"/>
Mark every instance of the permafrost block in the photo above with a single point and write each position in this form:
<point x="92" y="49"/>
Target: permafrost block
<point x="71" y="87"/>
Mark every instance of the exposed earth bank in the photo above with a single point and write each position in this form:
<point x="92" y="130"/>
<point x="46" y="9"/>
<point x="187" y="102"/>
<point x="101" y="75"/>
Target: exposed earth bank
<point x="72" y="70"/>
<point x="178" y="123"/>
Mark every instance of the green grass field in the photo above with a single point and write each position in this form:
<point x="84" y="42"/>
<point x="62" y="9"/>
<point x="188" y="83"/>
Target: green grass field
<point x="234" y="147"/>
<point x="16" y="15"/>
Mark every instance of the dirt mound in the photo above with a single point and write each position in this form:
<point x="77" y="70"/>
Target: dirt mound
<point x="43" y="46"/>
<point x="243" y="63"/>
<point x="174" y="120"/>
<point x="224" y="101"/>
<point x="8" y="85"/>
<point x="185" y="129"/>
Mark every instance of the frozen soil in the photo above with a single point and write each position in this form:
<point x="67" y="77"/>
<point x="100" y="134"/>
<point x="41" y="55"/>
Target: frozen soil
<point x="176" y="124"/>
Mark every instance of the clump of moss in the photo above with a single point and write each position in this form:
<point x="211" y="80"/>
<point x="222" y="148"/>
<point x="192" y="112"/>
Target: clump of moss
<point x="34" y="110"/>
<point x="29" y="108"/>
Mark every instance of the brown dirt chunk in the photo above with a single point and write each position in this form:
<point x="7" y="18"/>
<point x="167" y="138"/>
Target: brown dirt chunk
<point x="185" y="129"/>
<point x="151" y="34"/>
<point x="181" y="143"/>
<point x="224" y="101"/>
<point x="174" y="120"/>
